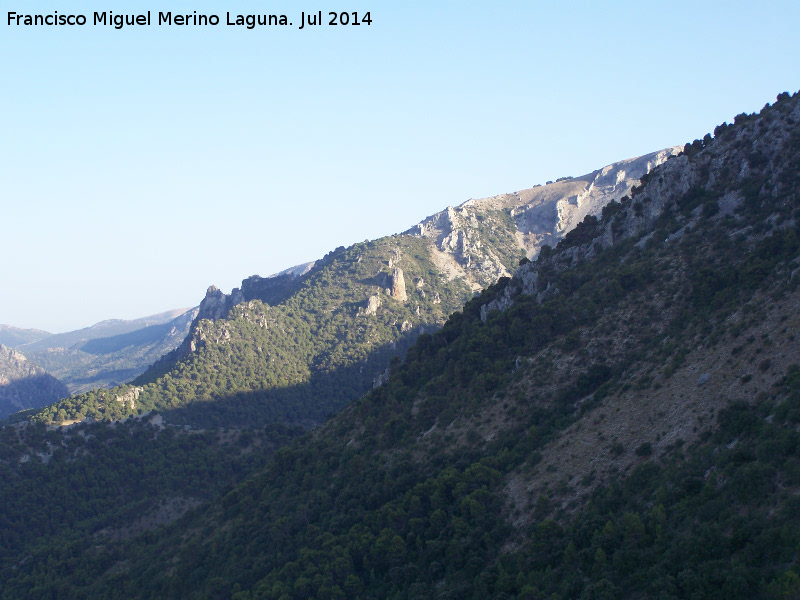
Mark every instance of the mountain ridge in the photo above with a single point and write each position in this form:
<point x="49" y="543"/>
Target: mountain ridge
<point x="542" y="215"/>
<point x="109" y="352"/>
<point x="11" y="336"/>
<point x="105" y="328"/>
<point x="409" y="283"/>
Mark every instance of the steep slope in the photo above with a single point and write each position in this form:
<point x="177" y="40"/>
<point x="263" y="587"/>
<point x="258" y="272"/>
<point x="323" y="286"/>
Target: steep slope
<point x="24" y="385"/>
<point x="299" y="345"/>
<point x="111" y="482"/>
<point x="331" y="332"/>
<point x="110" y="352"/>
<point x="662" y="334"/>
<point x="481" y="240"/>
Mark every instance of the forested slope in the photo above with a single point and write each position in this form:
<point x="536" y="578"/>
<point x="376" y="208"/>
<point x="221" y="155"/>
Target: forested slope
<point x="300" y="359"/>
<point x="297" y="347"/>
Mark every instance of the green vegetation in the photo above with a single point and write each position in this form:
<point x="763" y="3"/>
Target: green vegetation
<point x="496" y="229"/>
<point x="69" y="491"/>
<point x="295" y="362"/>
<point x="715" y="521"/>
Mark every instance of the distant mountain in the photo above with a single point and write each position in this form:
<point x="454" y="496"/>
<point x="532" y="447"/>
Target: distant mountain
<point x="24" y="385"/>
<point x="294" y="347"/>
<point x="110" y="352"/>
<point x="12" y="337"/>
<point x="103" y="329"/>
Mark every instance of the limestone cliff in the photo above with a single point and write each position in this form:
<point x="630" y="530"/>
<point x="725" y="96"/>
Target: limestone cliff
<point x="483" y="239"/>
<point x="469" y="246"/>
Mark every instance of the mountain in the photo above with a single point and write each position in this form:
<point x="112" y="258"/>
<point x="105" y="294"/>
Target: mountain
<point x="297" y="346"/>
<point x="103" y="329"/>
<point x="108" y="353"/>
<point x="617" y="419"/>
<point x="480" y="240"/>
<point x="11" y="337"/>
<point x="24" y="385"/>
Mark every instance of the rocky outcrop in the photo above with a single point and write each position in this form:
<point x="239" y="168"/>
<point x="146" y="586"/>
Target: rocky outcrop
<point x="381" y="378"/>
<point x="25" y="385"/>
<point x="398" y="285"/>
<point x="372" y="305"/>
<point x="216" y="304"/>
<point x="129" y="397"/>
<point x="671" y="187"/>
<point x="486" y="237"/>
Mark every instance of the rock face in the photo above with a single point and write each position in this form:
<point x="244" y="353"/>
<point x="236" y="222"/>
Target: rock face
<point x="446" y="259"/>
<point x="672" y="186"/>
<point x="484" y="239"/>
<point x="129" y="397"/>
<point x="216" y="304"/>
<point x="381" y="378"/>
<point x="373" y="303"/>
<point x="399" y="285"/>
<point x="25" y="385"/>
<point x="476" y="242"/>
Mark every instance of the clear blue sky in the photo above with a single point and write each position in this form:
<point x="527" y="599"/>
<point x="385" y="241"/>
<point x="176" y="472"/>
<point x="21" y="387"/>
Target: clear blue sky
<point x="140" y="166"/>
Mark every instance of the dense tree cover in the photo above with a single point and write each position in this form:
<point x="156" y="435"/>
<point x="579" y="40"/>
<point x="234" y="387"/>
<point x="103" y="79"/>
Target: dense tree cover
<point x="82" y="485"/>
<point x="717" y="520"/>
<point x="299" y="360"/>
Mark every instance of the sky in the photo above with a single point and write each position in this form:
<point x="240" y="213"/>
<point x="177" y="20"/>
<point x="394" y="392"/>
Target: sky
<point x="139" y="166"/>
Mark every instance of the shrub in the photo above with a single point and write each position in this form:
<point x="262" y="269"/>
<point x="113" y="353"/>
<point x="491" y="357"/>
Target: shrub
<point x="644" y="449"/>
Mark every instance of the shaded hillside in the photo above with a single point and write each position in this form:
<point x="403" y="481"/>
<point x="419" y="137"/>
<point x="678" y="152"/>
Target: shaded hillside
<point x="24" y="385"/>
<point x="106" y="483"/>
<point x="618" y="420"/>
<point x="298" y="346"/>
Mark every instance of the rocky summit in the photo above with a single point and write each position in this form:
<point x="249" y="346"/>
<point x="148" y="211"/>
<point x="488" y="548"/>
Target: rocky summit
<point x="476" y="239"/>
